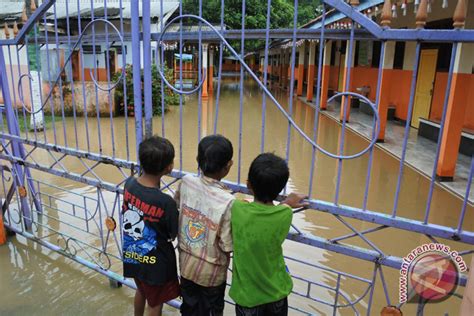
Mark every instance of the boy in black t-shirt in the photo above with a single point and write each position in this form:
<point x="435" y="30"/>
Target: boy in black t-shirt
<point x="150" y="223"/>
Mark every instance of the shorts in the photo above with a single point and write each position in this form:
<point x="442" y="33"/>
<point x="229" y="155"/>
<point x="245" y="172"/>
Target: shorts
<point x="278" y="308"/>
<point x="158" y="294"/>
<point x="201" y="300"/>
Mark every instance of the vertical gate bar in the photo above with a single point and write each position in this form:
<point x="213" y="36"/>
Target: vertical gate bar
<point x="74" y="114"/>
<point x="124" y="84"/>
<point x="13" y="83"/>
<point x="384" y="285"/>
<point x="441" y="129"/>
<point x="336" y="298"/>
<point x="318" y="100"/>
<point x="265" y="76"/>
<point x="84" y="95"/>
<point x="136" y="61"/>
<point x="147" y="68"/>
<point x="346" y="107"/>
<point x="13" y="129"/>
<point x="13" y="86"/>
<point x="290" y="110"/>
<point x="181" y="88"/>
<point x="96" y="61"/>
<point x="162" y="65"/>
<point x="107" y="72"/>
<point x="201" y="74"/>
<point x="39" y="70"/>
<point x="51" y="103"/>
<point x="35" y="133"/>
<point x="407" y="126"/>
<point x="292" y="62"/>
<point x="241" y="94"/>
<point x="377" y="101"/>
<point x="466" y="197"/>
<point x="219" y="74"/>
<point x="371" y="296"/>
<point x="61" y="97"/>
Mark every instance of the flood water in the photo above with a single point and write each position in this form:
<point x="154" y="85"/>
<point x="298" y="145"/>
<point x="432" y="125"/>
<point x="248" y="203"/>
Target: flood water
<point x="37" y="281"/>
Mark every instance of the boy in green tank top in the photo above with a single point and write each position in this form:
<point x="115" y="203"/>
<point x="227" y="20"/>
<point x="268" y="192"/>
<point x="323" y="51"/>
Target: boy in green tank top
<point x="260" y="281"/>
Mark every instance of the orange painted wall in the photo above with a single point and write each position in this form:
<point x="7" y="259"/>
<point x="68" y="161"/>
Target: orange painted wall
<point x="469" y="116"/>
<point x="399" y="94"/>
<point x="333" y="77"/>
<point x="365" y="76"/>
<point x="439" y="92"/>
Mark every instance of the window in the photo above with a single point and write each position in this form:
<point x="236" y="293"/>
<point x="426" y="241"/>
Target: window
<point x="356" y="55"/>
<point x="399" y="56"/>
<point x="376" y="54"/>
<point x="89" y="49"/>
<point x="333" y="54"/>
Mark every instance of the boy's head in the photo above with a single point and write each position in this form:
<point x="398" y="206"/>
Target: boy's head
<point x="215" y="156"/>
<point x="268" y="175"/>
<point x="156" y="155"/>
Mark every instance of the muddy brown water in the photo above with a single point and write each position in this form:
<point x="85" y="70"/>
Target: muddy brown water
<point x="37" y="281"/>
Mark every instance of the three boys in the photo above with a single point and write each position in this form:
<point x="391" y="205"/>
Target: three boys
<point x="260" y="281"/>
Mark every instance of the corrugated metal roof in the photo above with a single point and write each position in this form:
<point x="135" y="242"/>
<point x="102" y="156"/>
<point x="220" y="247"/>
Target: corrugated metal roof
<point x="113" y="8"/>
<point x="14" y="8"/>
<point x="191" y="28"/>
<point x="334" y="16"/>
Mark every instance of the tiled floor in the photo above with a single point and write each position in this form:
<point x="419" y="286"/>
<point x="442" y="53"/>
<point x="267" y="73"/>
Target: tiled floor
<point x="420" y="153"/>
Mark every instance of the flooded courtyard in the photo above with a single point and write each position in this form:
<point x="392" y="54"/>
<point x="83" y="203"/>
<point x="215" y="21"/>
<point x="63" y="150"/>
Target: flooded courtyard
<point x="37" y="281"/>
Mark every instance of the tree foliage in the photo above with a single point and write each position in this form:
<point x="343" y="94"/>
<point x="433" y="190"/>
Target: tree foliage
<point x="281" y="16"/>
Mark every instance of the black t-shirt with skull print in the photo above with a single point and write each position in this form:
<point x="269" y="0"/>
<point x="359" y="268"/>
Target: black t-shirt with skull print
<point x="149" y="224"/>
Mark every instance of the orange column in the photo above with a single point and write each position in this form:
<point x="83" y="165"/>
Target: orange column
<point x="458" y="102"/>
<point x="204" y="70"/>
<point x="325" y="74"/>
<point x="211" y="71"/>
<point x="300" y="73"/>
<point x="311" y="71"/>
<point x="385" y="86"/>
<point x="3" y="234"/>
<point x="346" y="101"/>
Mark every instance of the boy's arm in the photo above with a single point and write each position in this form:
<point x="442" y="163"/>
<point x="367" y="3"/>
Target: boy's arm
<point x="225" y="232"/>
<point x="172" y="219"/>
<point x="295" y="200"/>
<point x="177" y="194"/>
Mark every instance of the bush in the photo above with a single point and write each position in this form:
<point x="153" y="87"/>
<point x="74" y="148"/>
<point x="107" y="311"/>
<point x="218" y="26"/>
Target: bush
<point x="171" y="98"/>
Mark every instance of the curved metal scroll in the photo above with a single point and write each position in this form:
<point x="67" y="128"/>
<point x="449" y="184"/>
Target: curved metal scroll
<point x="269" y="94"/>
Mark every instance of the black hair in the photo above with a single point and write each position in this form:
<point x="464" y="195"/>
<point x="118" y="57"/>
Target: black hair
<point x="214" y="152"/>
<point x="268" y="175"/>
<point x="155" y="154"/>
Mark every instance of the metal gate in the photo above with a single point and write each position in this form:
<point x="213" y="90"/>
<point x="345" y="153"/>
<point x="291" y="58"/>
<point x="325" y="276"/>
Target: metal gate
<point x="39" y="165"/>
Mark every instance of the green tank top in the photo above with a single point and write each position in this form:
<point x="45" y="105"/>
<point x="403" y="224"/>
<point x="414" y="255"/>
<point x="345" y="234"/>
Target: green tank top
<point x="259" y="274"/>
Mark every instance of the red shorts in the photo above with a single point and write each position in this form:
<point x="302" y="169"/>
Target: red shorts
<point x="158" y="294"/>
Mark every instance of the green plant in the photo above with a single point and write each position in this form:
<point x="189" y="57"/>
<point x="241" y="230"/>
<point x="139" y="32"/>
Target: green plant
<point x="170" y="97"/>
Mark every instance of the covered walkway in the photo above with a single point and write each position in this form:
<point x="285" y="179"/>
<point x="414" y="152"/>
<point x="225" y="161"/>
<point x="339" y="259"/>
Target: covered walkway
<point x="420" y="153"/>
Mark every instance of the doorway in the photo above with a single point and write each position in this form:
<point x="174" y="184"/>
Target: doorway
<point x="424" y="86"/>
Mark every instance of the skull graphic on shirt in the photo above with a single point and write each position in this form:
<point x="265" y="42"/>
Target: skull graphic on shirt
<point x="133" y="224"/>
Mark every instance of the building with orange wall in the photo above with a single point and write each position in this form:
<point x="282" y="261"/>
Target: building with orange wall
<point x="397" y="73"/>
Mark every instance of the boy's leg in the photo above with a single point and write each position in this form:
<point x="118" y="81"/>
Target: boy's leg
<point x="249" y="311"/>
<point x="139" y="303"/>
<point x="278" y="308"/>
<point x="190" y="298"/>
<point x="155" y="311"/>
<point x="213" y="299"/>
